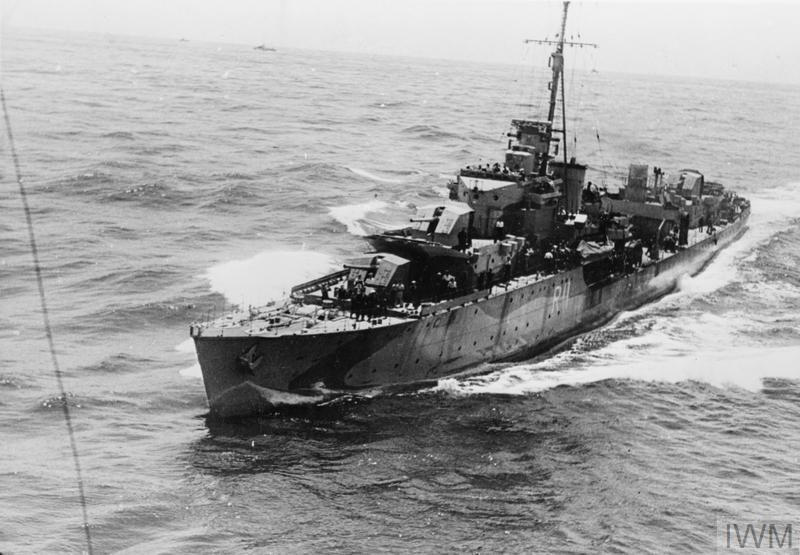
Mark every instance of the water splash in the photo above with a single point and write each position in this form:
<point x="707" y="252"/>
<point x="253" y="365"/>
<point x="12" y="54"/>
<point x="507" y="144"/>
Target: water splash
<point x="191" y="372"/>
<point x="360" y="219"/>
<point x="185" y="346"/>
<point x="267" y="276"/>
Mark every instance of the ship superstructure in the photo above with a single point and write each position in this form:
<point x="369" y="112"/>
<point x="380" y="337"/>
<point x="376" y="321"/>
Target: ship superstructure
<point x="524" y="254"/>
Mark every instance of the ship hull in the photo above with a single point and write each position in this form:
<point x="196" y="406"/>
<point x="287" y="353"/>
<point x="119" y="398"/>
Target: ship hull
<point x="249" y="374"/>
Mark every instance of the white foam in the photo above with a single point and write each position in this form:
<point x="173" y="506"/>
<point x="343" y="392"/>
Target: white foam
<point x="191" y="372"/>
<point x="267" y="276"/>
<point x="373" y="176"/>
<point x="361" y="219"/>
<point x="441" y="191"/>
<point x="186" y="346"/>
<point x="745" y="368"/>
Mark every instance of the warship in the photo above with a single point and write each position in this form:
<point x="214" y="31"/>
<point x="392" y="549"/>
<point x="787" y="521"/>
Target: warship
<point x="525" y="254"/>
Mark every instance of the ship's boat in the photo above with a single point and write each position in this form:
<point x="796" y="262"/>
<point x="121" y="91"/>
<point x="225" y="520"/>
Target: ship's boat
<point x="523" y="255"/>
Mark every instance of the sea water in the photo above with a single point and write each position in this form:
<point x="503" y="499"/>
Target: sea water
<point x="172" y="181"/>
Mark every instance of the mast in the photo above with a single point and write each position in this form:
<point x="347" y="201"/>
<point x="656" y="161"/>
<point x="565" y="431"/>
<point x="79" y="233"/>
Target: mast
<point x="557" y="66"/>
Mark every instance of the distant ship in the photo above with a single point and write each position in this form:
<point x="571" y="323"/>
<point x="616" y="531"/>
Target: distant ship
<point x="265" y="48"/>
<point x="523" y="255"/>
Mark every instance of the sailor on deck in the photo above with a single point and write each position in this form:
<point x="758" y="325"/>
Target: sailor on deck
<point x="499" y="230"/>
<point x="463" y="240"/>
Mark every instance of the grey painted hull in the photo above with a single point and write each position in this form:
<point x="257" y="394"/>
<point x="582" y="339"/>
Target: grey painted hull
<point x="521" y="321"/>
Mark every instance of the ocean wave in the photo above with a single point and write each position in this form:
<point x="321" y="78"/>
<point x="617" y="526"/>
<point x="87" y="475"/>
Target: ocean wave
<point x="267" y="276"/>
<point x="120" y="164"/>
<point x="230" y="193"/>
<point x="117" y="364"/>
<point x="126" y="135"/>
<point x="239" y="176"/>
<point x="311" y="170"/>
<point x="374" y="176"/>
<point x="238" y="108"/>
<point x="158" y="149"/>
<point x="86" y="402"/>
<point x="137" y="278"/>
<point x="429" y="132"/>
<point x="88" y="181"/>
<point x="58" y="401"/>
<point x="389" y="104"/>
<point x="124" y="317"/>
<point x="11" y="382"/>
<point x="157" y="195"/>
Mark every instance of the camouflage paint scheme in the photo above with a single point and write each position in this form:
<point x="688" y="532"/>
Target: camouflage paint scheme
<point x="242" y="372"/>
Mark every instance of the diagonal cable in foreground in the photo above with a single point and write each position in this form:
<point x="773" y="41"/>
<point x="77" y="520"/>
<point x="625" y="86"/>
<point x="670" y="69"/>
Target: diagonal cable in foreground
<point x="46" y="318"/>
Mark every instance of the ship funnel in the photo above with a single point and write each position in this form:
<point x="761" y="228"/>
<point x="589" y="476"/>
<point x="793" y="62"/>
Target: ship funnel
<point x="572" y="175"/>
<point x="636" y="191"/>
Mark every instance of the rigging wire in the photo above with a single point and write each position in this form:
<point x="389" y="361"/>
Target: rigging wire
<point x="604" y="164"/>
<point x="525" y="83"/>
<point x="46" y="319"/>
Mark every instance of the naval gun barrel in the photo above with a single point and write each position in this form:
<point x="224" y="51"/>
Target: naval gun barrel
<point x="359" y="267"/>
